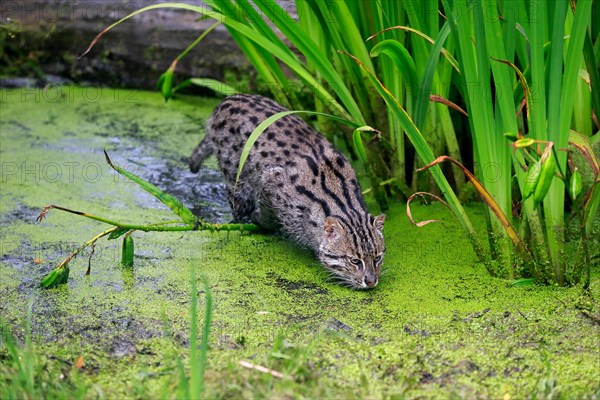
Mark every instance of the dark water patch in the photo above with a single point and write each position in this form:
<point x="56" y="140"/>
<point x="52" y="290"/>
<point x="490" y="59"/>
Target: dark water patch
<point x="134" y="127"/>
<point x="297" y="287"/>
<point x="13" y="124"/>
<point x="113" y="331"/>
<point x="21" y="213"/>
<point x="122" y="346"/>
<point x="415" y="331"/>
<point x="71" y="145"/>
<point x="334" y="324"/>
<point x="33" y="258"/>
<point x="203" y="193"/>
<point x="590" y="317"/>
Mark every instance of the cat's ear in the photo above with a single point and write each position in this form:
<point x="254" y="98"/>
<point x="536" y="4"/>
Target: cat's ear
<point x="378" y="222"/>
<point x="332" y="228"/>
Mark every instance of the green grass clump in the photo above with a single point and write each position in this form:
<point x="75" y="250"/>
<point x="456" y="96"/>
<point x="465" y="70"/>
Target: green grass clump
<point x="25" y="373"/>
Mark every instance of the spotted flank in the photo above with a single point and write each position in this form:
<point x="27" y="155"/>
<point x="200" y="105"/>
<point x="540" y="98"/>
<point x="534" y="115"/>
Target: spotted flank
<point x="295" y="181"/>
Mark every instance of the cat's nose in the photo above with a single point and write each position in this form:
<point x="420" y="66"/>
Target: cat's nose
<point x="370" y="280"/>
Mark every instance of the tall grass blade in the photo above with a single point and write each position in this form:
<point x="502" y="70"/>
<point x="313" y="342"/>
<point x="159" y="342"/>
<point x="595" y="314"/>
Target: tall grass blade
<point x="308" y="47"/>
<point x="212" y="84"/>
<point x="198" y="361"/>
<point x="422" y="101"/>
<point x="264" y="62"/>
<point x="592" y="69"/>
<point x="403" y="62"/>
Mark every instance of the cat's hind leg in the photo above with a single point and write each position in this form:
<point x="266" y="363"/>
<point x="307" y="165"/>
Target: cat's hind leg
<point x="268" y="199"/>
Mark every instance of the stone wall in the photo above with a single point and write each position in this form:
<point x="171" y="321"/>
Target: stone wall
<point x="46" y="37"/>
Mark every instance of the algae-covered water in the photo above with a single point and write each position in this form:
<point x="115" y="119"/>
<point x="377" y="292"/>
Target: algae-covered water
<point x="437" y="326"/>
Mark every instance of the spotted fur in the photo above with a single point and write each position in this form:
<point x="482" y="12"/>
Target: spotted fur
<point x="296" y="181"/>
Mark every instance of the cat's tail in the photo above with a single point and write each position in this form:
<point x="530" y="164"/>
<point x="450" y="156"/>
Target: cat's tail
<point x="204" y="149"/>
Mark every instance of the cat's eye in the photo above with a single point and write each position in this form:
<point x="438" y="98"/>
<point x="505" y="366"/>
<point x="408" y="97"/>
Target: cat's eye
<point x="357" y="262"/>
<point x="378" y="259"/>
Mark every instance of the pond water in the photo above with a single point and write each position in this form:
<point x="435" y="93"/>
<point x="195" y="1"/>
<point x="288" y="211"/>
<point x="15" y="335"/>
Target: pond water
<point x="437" y="325"/>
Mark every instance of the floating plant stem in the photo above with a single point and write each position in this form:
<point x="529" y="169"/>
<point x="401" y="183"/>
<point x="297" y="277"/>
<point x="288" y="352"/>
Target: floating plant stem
<point x="188" y="222"/>
<point x="198" y="225"/>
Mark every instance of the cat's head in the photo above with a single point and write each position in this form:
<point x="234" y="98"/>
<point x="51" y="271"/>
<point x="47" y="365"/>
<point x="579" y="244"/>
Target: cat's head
<point x="353" y="251"/>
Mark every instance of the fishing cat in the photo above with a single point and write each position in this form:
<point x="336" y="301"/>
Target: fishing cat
<point x="296" y="181"/>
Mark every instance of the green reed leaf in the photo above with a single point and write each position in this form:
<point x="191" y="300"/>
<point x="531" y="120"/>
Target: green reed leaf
<point x="422" y="102"/>
<point x="56" y="277"/>
<point x="592" y="69"/>
<point x="127" y="251"/>
<point x="118" y="233"/>
<point x="312" y="52"/>
<point x="268" y="122"/>
<point x="531" y="179"/>
<point x="449" y="57"/>
<point x="214" y="85"/>
<point x="175" y="205"/>
<point x="524" y="142"/>
<point x="524" y="282"/>
<point x="575" y="184"/>
<point x="299" y="38"/>
<point x="357" y="141"/>
<point x="402" y="60"/>
<point x="547" y="171"/>
<point x="165" y="83"/>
